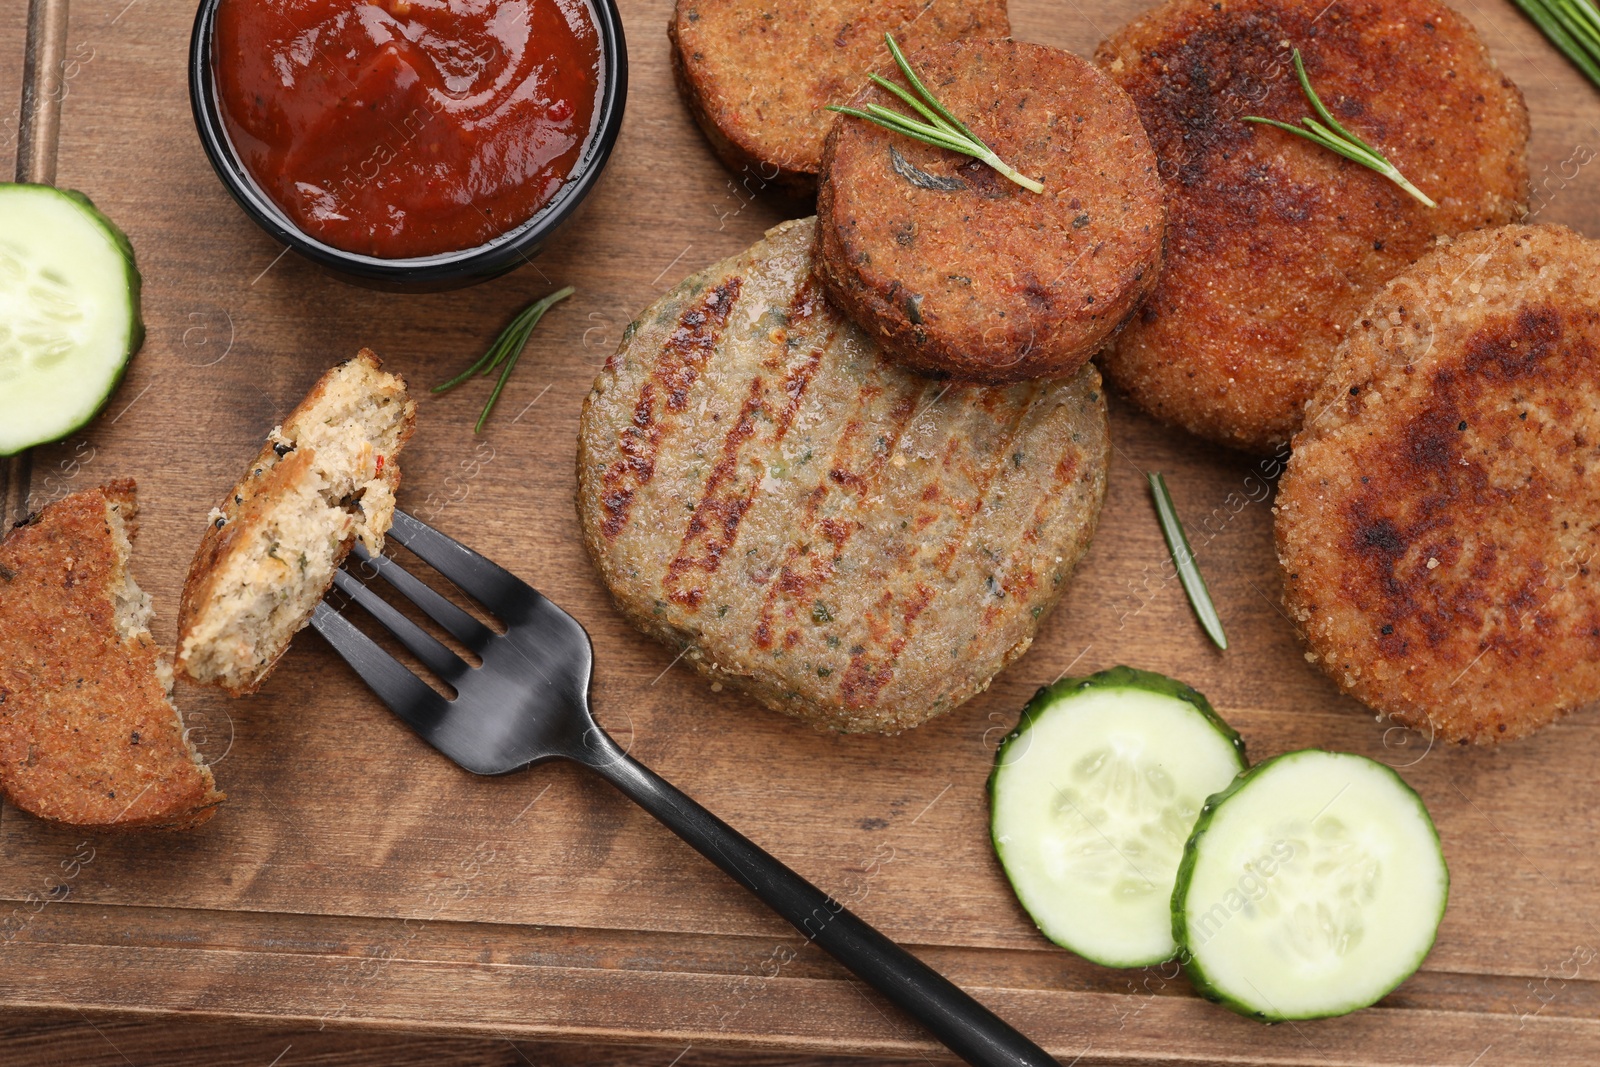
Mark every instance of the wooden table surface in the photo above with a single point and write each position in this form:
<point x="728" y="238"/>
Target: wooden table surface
<point x="79" y="1039"/>
<point x="356" y="882"/>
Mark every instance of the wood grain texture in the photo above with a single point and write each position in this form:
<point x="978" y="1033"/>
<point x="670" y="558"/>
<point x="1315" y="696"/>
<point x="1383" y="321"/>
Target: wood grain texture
<point x="13" y="52"/>
<point x="356" y="879"/>
<point x="16" y="54"/>
<point x="70" y="1039"/>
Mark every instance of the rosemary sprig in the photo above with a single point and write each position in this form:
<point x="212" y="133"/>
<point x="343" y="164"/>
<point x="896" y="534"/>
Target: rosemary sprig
<point x="1335" y="138"/>
<point x="1572" y="26"/>
<point x="507" y="349"/>
<point x="1194" y="583"/>
<point x="942" y="129"/>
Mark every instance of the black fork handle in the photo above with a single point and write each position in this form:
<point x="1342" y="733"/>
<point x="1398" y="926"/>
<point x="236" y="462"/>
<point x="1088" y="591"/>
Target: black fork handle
<point x="970" y="1030"/>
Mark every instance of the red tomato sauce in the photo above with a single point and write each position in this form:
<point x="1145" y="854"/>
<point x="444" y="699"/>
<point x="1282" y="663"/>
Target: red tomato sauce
<point x="400" y="128"/>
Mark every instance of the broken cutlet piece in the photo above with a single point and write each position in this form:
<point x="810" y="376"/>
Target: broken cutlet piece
<point x="88" y="732"/>
<point x="325" y="478"/>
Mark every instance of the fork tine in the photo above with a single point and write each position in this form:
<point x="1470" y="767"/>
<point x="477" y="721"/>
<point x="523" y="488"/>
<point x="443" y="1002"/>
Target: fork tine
<point x="503" y="593"/>
<point x="430" y="650"/>
<point x="457" y="623"/>
<point x="406" y="695"/>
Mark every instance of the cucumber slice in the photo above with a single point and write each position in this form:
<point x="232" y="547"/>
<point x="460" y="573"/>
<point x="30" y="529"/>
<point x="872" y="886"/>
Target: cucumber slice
<point x="1312" y="887"/>
<point x="69" y="313"/>
<point x="1091" y="800"/>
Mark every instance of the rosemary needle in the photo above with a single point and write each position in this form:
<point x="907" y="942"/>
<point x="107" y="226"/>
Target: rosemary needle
<point x="1194" y="583"/>
<point x="1572" y="26"/>
<point x="942" y="129"/>
<point x="1335" y="138"/>
<point x="507" y="349"/>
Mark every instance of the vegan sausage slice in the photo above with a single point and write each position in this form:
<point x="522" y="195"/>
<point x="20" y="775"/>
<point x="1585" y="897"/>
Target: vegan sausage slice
<point x="958" y="271"/>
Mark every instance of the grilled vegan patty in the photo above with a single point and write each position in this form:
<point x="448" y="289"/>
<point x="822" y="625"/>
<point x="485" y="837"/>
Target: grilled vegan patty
<point x="957" y="271"/>
<point x="757" y="74"/>
<point x="849" y="543"/>
<point x="1274" y="244"/>
<point x="1439" y="521"/>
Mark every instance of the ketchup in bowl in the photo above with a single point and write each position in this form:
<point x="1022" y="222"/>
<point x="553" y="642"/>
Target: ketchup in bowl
<point x="404" y="128"/>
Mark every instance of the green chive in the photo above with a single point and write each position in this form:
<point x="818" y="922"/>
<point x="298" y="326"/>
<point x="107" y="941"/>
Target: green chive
<point x="507" y="349"/>
<point x="1573" y="26"/>
<point x="1335" y="138"/>
<point x="1194" y="583"/>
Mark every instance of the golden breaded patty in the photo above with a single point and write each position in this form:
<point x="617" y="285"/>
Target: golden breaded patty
<point x="325" y="478"/>
<point x="758" y="74"/>
<point x="959" y="272"/>
<point x="850" y="543"/>
<point x="88" y="733"/>
<point x="1439" y="521"/>
<point x="1274" y="244"/>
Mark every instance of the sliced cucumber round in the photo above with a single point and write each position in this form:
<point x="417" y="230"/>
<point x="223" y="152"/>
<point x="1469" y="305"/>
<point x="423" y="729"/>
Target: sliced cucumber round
<point x="1312" y="887"/>
<point x="1091" y="800"/>
<point x="69" y="313"/>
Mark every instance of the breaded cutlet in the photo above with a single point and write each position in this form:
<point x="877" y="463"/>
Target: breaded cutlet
<point x="88" y="732"/>
<point x="957" y="271"/>
<point x="1439" y="521"/>
<point x="758" y="74"/>
<point x="1274" y="243"/>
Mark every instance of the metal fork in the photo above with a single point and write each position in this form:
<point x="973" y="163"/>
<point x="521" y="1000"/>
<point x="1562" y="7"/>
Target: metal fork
<point x="528" y="703"/>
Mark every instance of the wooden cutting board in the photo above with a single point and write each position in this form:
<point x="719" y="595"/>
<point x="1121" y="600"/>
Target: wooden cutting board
<point x="356" y="878"/>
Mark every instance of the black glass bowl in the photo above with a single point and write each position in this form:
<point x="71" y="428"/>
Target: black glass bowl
<point x="446" y="270"/>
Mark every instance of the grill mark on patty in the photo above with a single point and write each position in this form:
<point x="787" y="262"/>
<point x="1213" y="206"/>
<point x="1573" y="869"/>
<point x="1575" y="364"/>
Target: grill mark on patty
<point x="678" y="367"/>
<point x="865" y="677"/>
<point x="714" y="525"/>
<point x="1020" y="581"/>
<point x="800" y="587"/>
<point x="1046" y="502"/>
<point x="718" y="510"/>
<point x="869" y="673"/>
